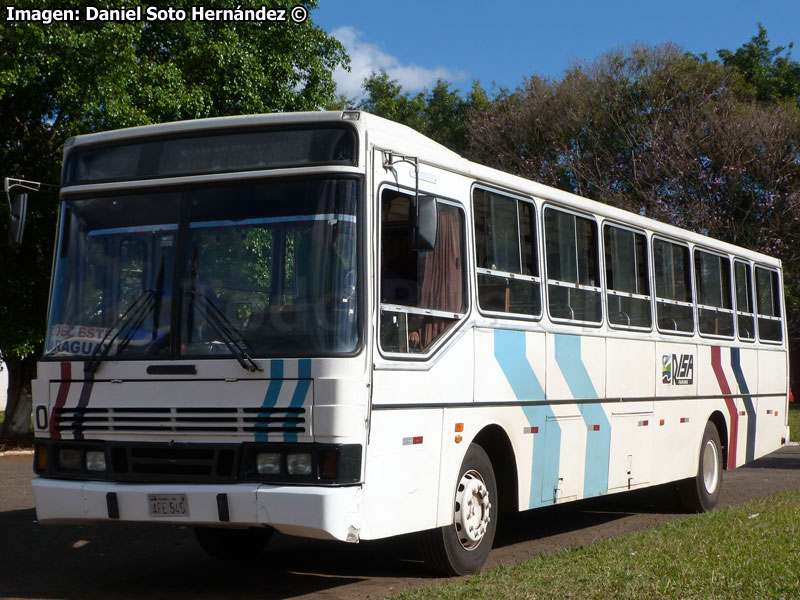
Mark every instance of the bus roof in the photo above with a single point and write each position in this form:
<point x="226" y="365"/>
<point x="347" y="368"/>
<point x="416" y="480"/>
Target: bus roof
<point x="405" y="140"/>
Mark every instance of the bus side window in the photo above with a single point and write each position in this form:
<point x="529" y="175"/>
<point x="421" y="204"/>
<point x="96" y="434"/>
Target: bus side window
<point x="506" y="258"/>
<point x="745" y="319"/>
<point x="573" y="272"/>
<point x="674" y="307"/>
<point x="423" y="294"/>
<point x="769" y="307"/>
<point x="712" y="274"/>
<point x="627" y="278"/>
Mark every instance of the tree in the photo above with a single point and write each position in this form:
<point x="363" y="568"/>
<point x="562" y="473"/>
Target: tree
<point x="65" y="79"/>
<point x="441" y="113"/>
<point x="773" y="78"/>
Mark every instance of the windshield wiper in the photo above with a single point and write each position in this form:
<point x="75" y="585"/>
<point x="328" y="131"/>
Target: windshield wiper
<point x="136" y="312"/>
<point x="231" y="336"/>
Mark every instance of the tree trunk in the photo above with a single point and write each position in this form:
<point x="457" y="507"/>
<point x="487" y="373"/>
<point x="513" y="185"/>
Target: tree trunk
<point x="17" y="423"/>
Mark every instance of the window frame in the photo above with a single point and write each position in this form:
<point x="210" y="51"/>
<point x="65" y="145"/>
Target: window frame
<point x="460" y="318"/>
<point x="656" y="298"/>
<point x="750" y="290"/>
<point x="558" y="283"/>
<point x="607" y="289"/>
<point x="698" y="306"/>
<point x="496" y="272"/>
<point x="777" y="272"/>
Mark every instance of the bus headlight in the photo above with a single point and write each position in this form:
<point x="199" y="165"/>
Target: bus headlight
<point x="299" y="463"/>
<point x="69" y="459"/>
<point x="95" y="460"/>
<point x="268" y="463"/>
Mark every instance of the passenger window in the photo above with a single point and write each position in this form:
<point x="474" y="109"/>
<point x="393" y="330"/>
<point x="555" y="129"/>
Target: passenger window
<point x="573" y="273"/>
<point x="744" y="301"/>
<point x="769" y="307"/>
<point x="672" y="267"/>
<point x="627" y="278"/>
<point x="714" y="305"/>
<point x="423" y="294"/>
<point x="505" y="247"/>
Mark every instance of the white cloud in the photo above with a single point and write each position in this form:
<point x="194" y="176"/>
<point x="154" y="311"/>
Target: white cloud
<point x="367" y="58"/>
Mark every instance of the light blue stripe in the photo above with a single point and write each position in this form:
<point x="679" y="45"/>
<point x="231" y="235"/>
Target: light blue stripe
<point x="136" y="229"/>
<point x="736" y="365"/>
<point x="300" y="392"/>
<point x="224" y="223"/>
<point x="271" y="397"/>
<point x="272" y="220"/>
<point x="510" y="353"/>
<point x="598" y="443"/>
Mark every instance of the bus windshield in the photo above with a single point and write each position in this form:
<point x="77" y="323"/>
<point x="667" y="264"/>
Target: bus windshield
<point x="271" y="267"/>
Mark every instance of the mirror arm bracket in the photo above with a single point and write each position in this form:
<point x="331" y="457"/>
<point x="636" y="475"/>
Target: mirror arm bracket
<point x="9" y="183"/>
<point x="391" y="159"/>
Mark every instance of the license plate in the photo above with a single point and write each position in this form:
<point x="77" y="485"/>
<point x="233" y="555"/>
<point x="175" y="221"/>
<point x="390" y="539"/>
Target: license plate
<point x="168" y="505"/>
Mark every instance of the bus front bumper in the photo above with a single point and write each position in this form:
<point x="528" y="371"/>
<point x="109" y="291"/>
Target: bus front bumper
<point x="315" y="512"/>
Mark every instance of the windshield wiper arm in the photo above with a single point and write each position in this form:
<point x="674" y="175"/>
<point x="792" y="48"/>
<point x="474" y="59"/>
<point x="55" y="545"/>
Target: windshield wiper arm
<point x="134" y="312"/>
<point x="222" y="325"/>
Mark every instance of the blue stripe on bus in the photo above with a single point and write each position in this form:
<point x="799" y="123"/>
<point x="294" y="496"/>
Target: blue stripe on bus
<point x="736" y="365"/>
<point x="300" y="391"/>
<point x="598" y="443"/>
<point x="510" y="353"/>
<point x="509" y="350"/>
<point x="271" y="397"/>
<point x="546" y="454"/>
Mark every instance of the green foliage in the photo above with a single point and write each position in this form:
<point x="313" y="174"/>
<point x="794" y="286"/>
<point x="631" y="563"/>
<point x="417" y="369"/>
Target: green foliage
<point x="794" y="421"/>
<point x="747" y="552"/>
<point x="64" y="79"/>
<point x="772" y="77"/>
<point x="441" y="113"/>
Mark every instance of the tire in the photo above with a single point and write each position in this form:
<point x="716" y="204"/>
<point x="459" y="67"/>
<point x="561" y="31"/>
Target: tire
<point x="701" y="492"/>
<point x="463" y="546"/>
<point x="233" y="544"/>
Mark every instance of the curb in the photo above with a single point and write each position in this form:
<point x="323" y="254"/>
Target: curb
<point x="16" y="453"/>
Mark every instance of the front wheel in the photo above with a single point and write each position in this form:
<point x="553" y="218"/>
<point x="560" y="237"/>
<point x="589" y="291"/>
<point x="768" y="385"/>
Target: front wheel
<point x="233" y="544"/>
<point x="701" y="492"/>
<point x="462" y="548"/>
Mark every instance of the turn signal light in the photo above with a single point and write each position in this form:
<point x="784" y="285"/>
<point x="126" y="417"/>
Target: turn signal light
<point x="41" y="459"/>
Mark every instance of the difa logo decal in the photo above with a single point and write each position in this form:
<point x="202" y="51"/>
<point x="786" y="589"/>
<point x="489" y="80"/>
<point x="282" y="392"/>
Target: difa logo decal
<point x="677" y="369"/>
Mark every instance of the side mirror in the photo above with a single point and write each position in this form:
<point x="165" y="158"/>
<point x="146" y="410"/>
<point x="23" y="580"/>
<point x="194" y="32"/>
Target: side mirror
<point x="424" y="220"/>
<point x="16" y="226"/>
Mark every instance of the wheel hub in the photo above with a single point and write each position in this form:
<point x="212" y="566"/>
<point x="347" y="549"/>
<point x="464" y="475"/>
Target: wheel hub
<point x="710" y="466"/>
<point x="472" y="510"/>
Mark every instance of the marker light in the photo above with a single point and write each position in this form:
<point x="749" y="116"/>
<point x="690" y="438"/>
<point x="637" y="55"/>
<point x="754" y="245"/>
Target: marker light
<point x="268" y="463"/>
<point x="95" y="460"/>
<point x="298" y="463"/>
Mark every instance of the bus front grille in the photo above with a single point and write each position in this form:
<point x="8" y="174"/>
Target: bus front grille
<point x="166" y="420"/>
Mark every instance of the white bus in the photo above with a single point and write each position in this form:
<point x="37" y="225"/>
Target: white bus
<point x="329" y="325"/>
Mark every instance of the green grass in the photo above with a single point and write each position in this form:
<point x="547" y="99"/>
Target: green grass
<point x="748" y="552"/>
<point x="794" y="421"/>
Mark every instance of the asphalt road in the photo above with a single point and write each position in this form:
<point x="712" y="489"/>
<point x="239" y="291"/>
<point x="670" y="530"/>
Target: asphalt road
<point x="135" y="561"/>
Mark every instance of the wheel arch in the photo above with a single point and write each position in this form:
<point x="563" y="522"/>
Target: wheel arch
<point x="718" y="419"/>
<point x="497" y="445"/>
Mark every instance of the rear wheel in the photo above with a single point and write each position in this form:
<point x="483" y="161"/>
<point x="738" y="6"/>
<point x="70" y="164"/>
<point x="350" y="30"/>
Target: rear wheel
<point x="463" y="547"/>
<point x="233" y="544"/>
<point x="701" y="492"/>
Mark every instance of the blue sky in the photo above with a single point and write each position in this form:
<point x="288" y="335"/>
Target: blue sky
<point x="503" y="42"/>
